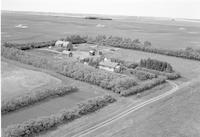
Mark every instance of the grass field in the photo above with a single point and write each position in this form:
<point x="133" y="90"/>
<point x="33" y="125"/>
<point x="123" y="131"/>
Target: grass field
<point x="175" y="116"/>
<point x="162" y="33"/>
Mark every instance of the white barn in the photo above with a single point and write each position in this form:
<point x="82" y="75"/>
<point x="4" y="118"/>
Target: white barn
<point x="64" y="44"/>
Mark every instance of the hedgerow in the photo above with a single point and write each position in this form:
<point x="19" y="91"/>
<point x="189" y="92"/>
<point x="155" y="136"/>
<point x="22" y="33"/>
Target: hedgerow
<point x="42" y="124"/>
<point x="28" y="46"/>
<point x="34" y="97"/>
<point x="137" y="45"/>
<point x="171" y="76"/>
<point x="143" y="86"/>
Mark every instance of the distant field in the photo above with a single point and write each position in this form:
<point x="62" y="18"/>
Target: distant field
<point x="161" y="33"/>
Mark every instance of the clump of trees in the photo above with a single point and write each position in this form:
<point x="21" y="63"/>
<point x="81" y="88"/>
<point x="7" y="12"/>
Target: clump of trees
<point x="156" y="65"/>
<point x="32" y="98"/>
<point x="137" y="45"/>
<point x="92" y="61"/>
<point x="76" y="39"/>
<point x="42" y="124"/>
<point x="143" y="86"/>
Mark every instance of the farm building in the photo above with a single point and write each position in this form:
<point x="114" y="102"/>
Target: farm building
<point x="92" y="52"/>
<point x="68" y="53"/>
<point x="64" y="44"/>
<point x="108" y="65"/>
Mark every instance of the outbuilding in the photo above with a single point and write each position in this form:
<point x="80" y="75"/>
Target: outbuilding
<point x="68" y="53"/>
<point x="67" y="45"/>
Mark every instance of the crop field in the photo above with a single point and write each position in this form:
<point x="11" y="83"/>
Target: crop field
<point x="11" y="88"/>
<point x="165" y="33"/>
<point x="17" y="80"/>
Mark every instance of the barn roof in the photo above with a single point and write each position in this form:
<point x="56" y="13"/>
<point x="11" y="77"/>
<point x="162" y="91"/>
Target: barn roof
<point x="108" y="64"/>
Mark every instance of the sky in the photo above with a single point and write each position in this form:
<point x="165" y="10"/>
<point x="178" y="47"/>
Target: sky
<point x="157" y="8"/>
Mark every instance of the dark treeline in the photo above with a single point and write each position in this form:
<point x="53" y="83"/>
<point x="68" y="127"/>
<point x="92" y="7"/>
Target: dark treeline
<point x="28" y="46"/>
<point x="97" y="18"/>
<point x="42" y="124"/>
<point x="156" y="65"/>
<point x="146" y="46"/>
<point x="76" y="39"/>
<point x="32" y="98"/>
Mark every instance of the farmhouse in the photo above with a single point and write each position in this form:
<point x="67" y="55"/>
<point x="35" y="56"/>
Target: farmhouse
<point x="64" y="44"/>
<point x="108" y="65"/>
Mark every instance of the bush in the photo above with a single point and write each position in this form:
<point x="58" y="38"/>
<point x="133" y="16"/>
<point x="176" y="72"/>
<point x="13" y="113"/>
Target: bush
<point x="143" y="86"/>
<point x="156" y="65"/>
<point x="32" y="98"/>
<point x="35" y="126"/>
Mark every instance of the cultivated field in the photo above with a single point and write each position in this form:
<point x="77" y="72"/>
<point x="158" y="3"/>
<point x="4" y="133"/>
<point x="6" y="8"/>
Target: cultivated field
<point x="162" y="33"/>
<point x="17" y="81"/>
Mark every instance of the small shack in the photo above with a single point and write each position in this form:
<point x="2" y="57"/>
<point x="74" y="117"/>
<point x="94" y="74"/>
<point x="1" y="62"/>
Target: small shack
<point x="68" y="53"/>
<point x="92" y="52"/>
<point x="67" y="45"/>
<point x="108" y="65"/>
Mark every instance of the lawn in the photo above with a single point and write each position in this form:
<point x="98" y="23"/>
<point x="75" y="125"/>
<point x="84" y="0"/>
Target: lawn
<point x="161" y="33"/>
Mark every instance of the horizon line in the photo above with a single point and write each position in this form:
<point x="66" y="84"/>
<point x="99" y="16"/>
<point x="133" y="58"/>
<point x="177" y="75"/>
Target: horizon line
<point x="117" y="15"/>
